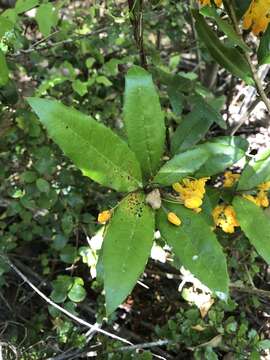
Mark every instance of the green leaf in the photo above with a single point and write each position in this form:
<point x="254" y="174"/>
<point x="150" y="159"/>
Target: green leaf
<point x="229" y="58"/>
<point x="59" y="242"/>
<point x="205" y="159"/>
<point x="223" y="152"/>
<point x="176" y="98"/>
<point x="181" y="166"/>
<point x="80" y="87"/>
<point x="46" y="18"/>
<point x="191" y="129"/>
<point x="43" y="185"/>
<point x="144" y="120"/>
<point x="210" y="354"/>
<point x="210" y="201"/>
<point x="3" y="70"/>
<point x="11" y="15"/>
<point x="58" y="295"/>
<point x="256" y="172"/>
<point x="264" y="48"/>
<point x="255" y="224"/>
<point x="103" y="80"/>
<point x="225" y="26"/>
<point x="5" y="26"/>
<point x="177" y="82"/>
<point x="197" y="247"/>
<point x="60" y="288"/>
<point x="264" y="344"/>
<point x="126" y="247"/>
<point x="255" y="355"/>
<point x="77" y="293"/>
<point x="208" y="109"/>
<point x="241" y="7"/>
<point x="67" y="223"/>
<point x="28" y="176"/>
<point x="25" y="5"/>
<point x="68" y="254"/>
<point x="95" y="149"/>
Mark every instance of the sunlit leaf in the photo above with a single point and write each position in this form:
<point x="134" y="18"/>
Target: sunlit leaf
<point x="205" y="159"/>
<point x="197" y="247"/>
<point x="144" y="120"/>
<point x="255" y="224"/>
<point x="46" y="18"/>
<point x="256" y="172"/>
<point x="95" y="149"/>
<point x="3" y="70"/>
<point x="127" y="245"/>
<point x="25" y="5"/>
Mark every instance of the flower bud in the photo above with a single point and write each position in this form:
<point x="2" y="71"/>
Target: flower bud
<point x="174" y="219"/>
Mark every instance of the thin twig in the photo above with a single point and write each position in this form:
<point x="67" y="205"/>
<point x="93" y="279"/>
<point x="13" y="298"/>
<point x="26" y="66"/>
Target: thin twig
<point x="145" y="345"/>
<point x="36" y="46"/>
<point x="94" y="328"/>
<point x="44" y="39"/>
<point x="64" y="311"/>
<point x="136" y="19"/>
<point x="255" y="291"/>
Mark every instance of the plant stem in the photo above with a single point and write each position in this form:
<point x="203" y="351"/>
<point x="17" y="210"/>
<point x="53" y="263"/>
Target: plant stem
<point x="136" y="19"/>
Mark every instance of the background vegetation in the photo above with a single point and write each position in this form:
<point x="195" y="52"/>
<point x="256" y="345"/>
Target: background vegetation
<point x="79" y="52"/>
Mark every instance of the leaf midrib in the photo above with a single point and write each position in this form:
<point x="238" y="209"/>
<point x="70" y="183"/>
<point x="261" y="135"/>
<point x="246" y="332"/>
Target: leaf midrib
<point x="100" y="153"/>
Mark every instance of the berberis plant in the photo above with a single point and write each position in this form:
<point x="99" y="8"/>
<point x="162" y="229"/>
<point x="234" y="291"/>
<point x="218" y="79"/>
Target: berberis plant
<point x="169" y="190"/>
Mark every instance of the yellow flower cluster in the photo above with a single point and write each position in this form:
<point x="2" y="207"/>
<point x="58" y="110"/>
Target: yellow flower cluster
<point x="230" y="179"/>
<point x="257" y="16"/>
<point x="208" y="2"/>
<point x="104" y="216"/>
<point x="225" y="217"/>
<point x="261" y="199"/>
<point x="191" y="192"/>
<point x="174" y="219"/>
<point x="264" y="186"/>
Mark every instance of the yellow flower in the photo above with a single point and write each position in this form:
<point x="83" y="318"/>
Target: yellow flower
<point x="260" y="200"/>
<point x="193" y="202"/>
<point x="227" y="227"/>
<point x="104" y="216"/>
<point x="174" y="219"/>
<point x="257" y="16"/>
<point x="230" y="179"/>
<point x="177" y="187"/>
<point x="264" y="186"/>
<point x="191" y="192"/>
<point x="263" y="199"/>
<point x="208" y="2"/>
<point x="225" y="217"/>
<point x="231" y="215"/>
